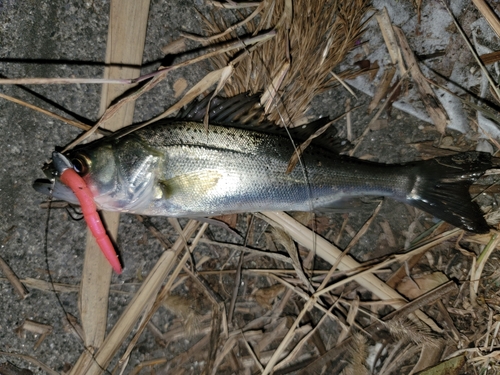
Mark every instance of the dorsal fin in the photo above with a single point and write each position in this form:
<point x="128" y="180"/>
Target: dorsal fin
<point x="244" y="111"/>
<point x="223" y="111"/>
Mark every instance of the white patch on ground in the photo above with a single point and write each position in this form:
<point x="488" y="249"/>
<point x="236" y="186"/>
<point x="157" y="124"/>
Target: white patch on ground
<point x="432" y="35"/>
<point x="372" y="355"/>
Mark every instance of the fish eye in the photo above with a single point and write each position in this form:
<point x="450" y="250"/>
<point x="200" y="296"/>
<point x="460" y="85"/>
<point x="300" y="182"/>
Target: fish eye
<point x="81" y="163"/>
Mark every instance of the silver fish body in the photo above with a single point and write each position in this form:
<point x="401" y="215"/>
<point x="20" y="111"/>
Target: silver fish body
<point x="178" y="168"/>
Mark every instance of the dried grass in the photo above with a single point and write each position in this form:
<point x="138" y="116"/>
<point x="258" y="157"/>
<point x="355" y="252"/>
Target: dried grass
<point x="290" y="70"/>
<point x="312" y="39"/>
<point x="358" y="352"/>
<point x="186" y="309"/>
<point x="412" y="331"/>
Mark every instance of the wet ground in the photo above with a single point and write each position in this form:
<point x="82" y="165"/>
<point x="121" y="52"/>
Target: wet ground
<point x="68" y="39"/>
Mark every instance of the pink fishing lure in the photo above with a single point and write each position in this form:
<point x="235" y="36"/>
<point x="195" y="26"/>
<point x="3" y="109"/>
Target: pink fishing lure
<point x="70" y="178"/>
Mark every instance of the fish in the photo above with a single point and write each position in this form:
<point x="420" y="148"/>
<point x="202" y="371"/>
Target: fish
<point x="179" y="168"/>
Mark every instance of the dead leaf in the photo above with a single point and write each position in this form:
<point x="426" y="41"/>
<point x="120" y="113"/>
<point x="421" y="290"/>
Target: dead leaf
<point x="389" y="235"/>
<point x="379" y="124"/>
<point x="432" y="104"/>
<point x="382" y="88"/>
<point x="174" y="47"/>
<point x="266" y="296"/>
<point x="453" y="366"/>
<point x="390" y="40"/>
<point x="179" y="86"/>
<point x="417" y="285"/>
<point x="231" y="219"/>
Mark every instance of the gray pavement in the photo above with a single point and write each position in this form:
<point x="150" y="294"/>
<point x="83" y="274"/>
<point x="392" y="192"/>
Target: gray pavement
<point x="62" y="38"/>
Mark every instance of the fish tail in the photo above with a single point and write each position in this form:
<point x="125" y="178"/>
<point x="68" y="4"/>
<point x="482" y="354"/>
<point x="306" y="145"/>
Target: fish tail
<point x="441" y="188"/>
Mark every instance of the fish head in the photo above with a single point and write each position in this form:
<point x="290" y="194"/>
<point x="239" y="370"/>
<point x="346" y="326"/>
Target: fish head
<point x="119" y="173"/>
<point x="87" y="164"/>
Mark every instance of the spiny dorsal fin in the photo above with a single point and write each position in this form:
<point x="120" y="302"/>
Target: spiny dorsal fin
<point x="244" y="111"/>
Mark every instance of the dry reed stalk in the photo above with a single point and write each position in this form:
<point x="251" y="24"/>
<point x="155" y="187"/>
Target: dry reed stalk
<point x="88" y="364"/>
<point x="284" y="343"/>
<point x="348" y="119"/>
<point x="354" y="241"/>
<point x="385" y="25"/>
<point x="305" y="296"/>
<point x="125" y="45"/>
<point x="153" y="362"/>
<point x="490" y="58"/>
<point x="396" y="357"/>
<point x="62" y="81"/>
<point x="235" y="5"/>
<point x="478" y="265"/>
<point x="296" y="349"/>
<point x="286" y="241"/>
<point x="351" y="315"/>
<point x="278" y="331"/>
<point x="36" y="328"/>
<point x="488" y="14"/>
<point x="253" y="355"/>
<point x="383" y="88"/>
<point x="376" y="116"/>
<point x="49" y="287"/>
<point x="344" y="84"/>
<point x="155" y="303"/>
<point x="18" y="286"/>
<point x="229" y="30"/>
<point x="330" y="253"/>
<point x="48" y="113"/>
<point x="429" y="357"/>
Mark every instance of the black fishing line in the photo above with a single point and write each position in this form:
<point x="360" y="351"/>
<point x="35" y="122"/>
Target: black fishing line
<point x="52" y="284"/>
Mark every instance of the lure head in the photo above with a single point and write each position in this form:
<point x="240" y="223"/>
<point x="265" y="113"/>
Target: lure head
<point x="53" y="186"/>
<point x="119" y="173"/>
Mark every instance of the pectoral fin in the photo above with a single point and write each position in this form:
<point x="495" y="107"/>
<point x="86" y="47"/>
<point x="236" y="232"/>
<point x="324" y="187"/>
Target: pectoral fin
<point x="193" y="181"/>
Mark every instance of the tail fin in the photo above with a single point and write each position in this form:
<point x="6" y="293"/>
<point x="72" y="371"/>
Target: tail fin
<point x="442" y="189"/>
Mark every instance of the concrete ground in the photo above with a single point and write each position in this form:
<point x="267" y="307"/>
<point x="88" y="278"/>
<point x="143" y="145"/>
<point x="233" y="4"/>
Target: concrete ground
<point x="61" y="38"/>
